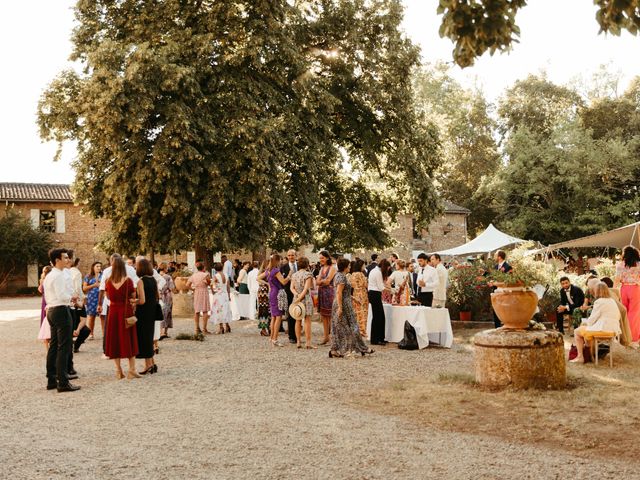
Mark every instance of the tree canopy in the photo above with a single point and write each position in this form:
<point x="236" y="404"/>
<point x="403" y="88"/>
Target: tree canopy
<point x="477" y="26"/>
<point x="229" y="124"/>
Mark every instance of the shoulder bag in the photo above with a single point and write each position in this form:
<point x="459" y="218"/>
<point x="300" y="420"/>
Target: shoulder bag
<point x="131" y="320"/>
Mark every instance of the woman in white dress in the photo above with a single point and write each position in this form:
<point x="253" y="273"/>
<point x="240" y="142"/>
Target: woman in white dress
<point x="221" y="307"/>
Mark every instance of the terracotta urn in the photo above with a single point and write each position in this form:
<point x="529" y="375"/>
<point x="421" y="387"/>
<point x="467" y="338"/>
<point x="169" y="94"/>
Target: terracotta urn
<point x="514" y="306"/>
<point x="181" y="284"/>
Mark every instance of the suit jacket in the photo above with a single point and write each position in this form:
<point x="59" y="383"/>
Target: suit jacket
<point x="577" y="295"/>
<point x="287" y="288"/>
<point x="506" y="268"/>
<point x="370" y="267"/>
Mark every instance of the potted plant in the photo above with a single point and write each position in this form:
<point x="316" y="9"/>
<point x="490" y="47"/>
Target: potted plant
<point x="180" y="279"/>
<point x="465" y="289"/>
<point x="514" y="300"/>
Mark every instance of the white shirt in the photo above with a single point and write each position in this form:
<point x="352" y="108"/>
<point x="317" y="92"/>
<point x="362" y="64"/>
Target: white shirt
<point x="440" y="292"/>
<point x="605" y="316"/>
<point x="429" y="275"/>
<point x="58" y="288"/>
<point x="228" y="269"/>
<point x="76" y="281"/>
<point x="398" y="277"/>
<point x="376" y="283"/>
<point x="159" y="280"/>
<point x="252" y="281"/>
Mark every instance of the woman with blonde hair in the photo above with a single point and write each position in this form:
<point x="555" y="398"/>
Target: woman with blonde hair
<point x="604" y="318"/>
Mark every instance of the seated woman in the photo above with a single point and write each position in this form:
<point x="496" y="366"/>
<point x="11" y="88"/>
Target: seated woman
<point x="605" y="318"/>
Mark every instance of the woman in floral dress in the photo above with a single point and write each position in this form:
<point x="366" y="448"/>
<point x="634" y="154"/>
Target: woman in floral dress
<point x="326" y="292"/>
<point x="345" y="335"/>
<point x="166" y="295"/>
<point x="360" y="295"/>
<point x="264" y="314"/>
<point x="301" y="286"/>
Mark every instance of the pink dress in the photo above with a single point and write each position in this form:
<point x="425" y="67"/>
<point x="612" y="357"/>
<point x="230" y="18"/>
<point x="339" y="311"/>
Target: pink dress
<point x="630" y="296"/>
<point x="201" y="294"/>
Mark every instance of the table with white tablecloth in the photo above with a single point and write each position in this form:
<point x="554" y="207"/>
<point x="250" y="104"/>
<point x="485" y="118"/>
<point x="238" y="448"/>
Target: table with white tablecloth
<point x="432" y="325"/>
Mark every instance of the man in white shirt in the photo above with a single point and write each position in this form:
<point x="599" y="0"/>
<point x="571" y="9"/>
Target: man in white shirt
<point x="376" y="287"/>
<point x="440" y="292"/>
<point x="159" y="279"/>
<point x="427" y="281"/>
<point x="227" y="269"/>
<point x="253" y="285"/>
<point x="58" y="293"/>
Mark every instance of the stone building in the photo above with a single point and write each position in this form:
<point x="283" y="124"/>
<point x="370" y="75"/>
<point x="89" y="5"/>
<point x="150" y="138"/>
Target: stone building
<point x="51" y="207"/>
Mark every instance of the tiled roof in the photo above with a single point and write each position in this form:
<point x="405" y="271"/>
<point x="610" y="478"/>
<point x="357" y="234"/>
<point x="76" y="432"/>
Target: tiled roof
<point x="35" y="192"/>
<point x="453" y="208"/>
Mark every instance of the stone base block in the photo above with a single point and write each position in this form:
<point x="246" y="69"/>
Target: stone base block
<point x="182" y="305"/>
<point x="520" y="359"/>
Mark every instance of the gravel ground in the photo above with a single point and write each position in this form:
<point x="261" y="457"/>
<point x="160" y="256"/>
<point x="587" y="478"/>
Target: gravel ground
<point x="234" y="407"/>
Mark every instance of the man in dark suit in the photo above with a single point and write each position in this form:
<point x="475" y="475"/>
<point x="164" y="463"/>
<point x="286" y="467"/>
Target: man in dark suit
<point x="413" y="274"/>
<point x="372" y="265"/>
<point x="504" y="267"/>
<point x="288" y="269"/>
<point x="571" y="297"/>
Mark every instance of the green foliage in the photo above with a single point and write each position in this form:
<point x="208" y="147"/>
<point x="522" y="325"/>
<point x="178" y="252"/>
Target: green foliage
<point x="226" y="124"/>
<point x="466" y="130"/>
<point x="563" y="180"/>
<point x="20" y="244"/>
<point x="476" y="26"/>
<point x="468" y="288"/>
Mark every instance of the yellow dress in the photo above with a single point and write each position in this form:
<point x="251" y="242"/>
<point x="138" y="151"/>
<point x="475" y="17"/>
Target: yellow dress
<point x="360" y="300"/>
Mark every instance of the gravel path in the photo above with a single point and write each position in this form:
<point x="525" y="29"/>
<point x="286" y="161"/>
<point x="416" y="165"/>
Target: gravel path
<point x="234" y="407"/>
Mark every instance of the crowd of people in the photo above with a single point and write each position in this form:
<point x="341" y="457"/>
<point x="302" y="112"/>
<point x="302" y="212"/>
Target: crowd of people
<point x="608" y="306"/>
<point x="132" y="300"/>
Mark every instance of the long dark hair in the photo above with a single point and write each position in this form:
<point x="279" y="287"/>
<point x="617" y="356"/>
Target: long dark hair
<point x="630" y="256"/>
<point x="356" y="266"/>
<point x="92" y="272"/>
<point x="326" y="255"/>
<point x="118" y="270"/>
<point x="385" y="268"/>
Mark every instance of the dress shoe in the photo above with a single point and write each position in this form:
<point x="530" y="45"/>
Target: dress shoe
<point x="68" y="388"/>
<point x="73" y="372"/>
<point x="52" y="386"/>
<point x="73" y="377"/>
<point x="292" y="340"/>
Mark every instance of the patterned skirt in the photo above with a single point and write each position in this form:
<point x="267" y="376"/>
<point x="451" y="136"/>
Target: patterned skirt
<point x="326" y="295"/>
<point x="264" y="314"/>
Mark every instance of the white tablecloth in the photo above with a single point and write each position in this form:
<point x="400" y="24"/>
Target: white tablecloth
<point x="431" y="324"/>
<point x="242" y="303"/>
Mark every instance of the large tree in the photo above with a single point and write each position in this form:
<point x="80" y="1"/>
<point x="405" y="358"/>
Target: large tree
<point x="476" y="26"/>
<point x="466" y="131"/>
<point x="226" y="124"/>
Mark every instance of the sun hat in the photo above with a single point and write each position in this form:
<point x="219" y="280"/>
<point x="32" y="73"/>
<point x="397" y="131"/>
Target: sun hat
<point x="297" y="310"/>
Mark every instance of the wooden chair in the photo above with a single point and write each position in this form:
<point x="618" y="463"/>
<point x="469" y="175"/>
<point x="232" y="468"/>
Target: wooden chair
<point x="604" y="338"/>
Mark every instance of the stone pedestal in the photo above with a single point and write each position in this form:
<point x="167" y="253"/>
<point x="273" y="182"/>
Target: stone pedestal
<point x="520" y="359"/>
<point x="182" y="305"/>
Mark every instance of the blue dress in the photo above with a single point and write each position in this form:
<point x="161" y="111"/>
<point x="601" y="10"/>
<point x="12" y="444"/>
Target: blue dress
<point x="92" y="296"/>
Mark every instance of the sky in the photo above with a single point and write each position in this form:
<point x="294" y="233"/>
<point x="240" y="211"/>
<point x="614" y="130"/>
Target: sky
<point x="559" y="38"/>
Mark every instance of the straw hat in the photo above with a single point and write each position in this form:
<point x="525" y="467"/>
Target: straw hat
<point x="297" y="310"/>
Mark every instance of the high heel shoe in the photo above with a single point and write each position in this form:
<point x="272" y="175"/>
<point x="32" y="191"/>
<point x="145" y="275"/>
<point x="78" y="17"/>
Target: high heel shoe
<point x="120" y="375"/>
<point x="148" y="370"/>
<point x="131" y="375"/>
<point x="227" y="328"/>
<point x="368" y="352"/>
<point x="155" y="368"/>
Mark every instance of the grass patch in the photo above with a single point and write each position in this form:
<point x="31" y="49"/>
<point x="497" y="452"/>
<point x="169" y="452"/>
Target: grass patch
<point x="199" y="337"/>
<point x="457" y="378"/>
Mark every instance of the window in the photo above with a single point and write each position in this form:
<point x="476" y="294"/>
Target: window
<point x="48" y="220"/>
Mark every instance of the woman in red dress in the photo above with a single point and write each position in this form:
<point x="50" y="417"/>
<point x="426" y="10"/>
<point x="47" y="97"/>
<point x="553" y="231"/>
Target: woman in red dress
<point x="120" y="341"/>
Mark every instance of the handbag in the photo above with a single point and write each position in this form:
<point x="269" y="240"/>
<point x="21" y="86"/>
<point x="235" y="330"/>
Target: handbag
<point x="283" y="302"/>
<point x="410" y="340"/>
<point x="159" y="315"/>
<point x="131" y="320"/>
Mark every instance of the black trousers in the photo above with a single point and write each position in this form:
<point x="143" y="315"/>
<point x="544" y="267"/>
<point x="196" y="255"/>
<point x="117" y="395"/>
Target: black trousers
<point x="426" y="298"/>
<point x="291" y="322"/>
<point x="83" y="334"/>
<point x="378" y="320"/>
<point x="61" y="324"/>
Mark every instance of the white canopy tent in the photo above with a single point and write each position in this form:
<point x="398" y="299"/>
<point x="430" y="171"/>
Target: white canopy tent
<point x="488" y="241"/>
<point x="618" y="238"/>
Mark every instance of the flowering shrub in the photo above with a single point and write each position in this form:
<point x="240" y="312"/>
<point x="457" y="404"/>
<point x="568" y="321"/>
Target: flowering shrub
<point x="468" y="288"/>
